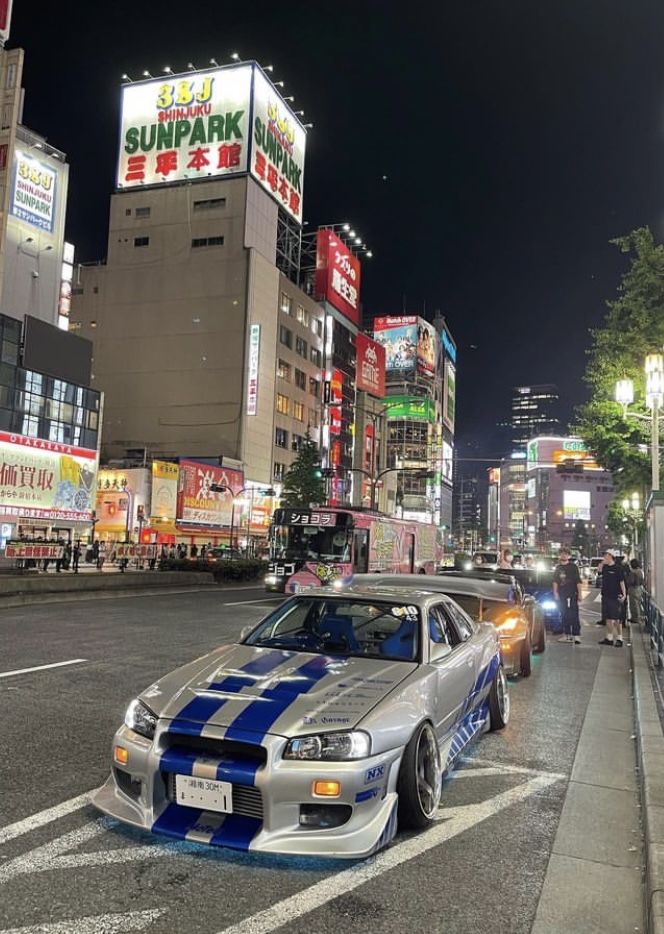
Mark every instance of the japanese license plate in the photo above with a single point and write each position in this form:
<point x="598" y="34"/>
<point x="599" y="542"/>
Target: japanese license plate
<point x="204" y="793"/>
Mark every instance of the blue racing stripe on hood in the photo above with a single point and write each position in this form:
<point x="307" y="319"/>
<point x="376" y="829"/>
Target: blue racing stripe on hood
<point x="260" y="715"/>
<point x="176" y="821"/>
<point x="236" y="832"/>
<point x="200" y="709"/>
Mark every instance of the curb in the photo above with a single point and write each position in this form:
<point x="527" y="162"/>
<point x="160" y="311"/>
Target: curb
<point x="650" y="752"/>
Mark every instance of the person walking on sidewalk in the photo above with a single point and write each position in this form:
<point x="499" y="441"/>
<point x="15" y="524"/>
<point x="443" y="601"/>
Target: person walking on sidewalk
<point x="567" y="593"/>
<point x="635" y="591"/>
<point x="614" y="594"/>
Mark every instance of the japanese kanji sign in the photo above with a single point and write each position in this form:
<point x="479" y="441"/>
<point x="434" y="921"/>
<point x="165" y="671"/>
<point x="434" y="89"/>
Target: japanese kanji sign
<point x="370" y="366"/>
<point x="196" y="125"/>
<point x="198" y="504"/>
<point x="278" y="147"/>
<point x="337" y="275"/>
<point x="252" y="372"/>
<point x="46" y="480"/>
<point x="5" y="19"/>
<point x="186" y="126"/>
<point x="33" y="191"/>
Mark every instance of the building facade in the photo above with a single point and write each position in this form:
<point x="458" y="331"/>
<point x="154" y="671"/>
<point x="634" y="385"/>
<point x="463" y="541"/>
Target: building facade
<point x="534" y="411"/>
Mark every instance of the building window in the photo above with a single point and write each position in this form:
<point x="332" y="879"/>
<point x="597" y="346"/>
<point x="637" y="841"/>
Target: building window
<point x="302" y="315"/>
<point x="283" y="404"/>
<point x="141" y="241"/>
<point x="314" y="387"/>
<point x="285" y="336"/>
<point x="296" y="443"/>
<point x="142" y="212"/>
<point x="284" y="370"/>
<point x="281" y="437"/>
<point x="207" y="241"/>
<point x="317" y="327"/>
<point x="301" y="347"/>
<point x="127" y="212"/>
<point x="279" y="471"/>
<point x="298" y="411"/>
<point x="286" y="303"/>
<point x="314" y="418"/>
<point x="300" y="379"/>
<point x="208" y="204"/>
<point x="316" y="357"/>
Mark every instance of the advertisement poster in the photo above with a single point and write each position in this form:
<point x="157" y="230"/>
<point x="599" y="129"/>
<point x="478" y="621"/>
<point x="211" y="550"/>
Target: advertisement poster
<point x="370" y="366"/>
<point x="337" y="275"/>
<point x="576" y="505"/>
<point x="33" y="191"/>
<point x="46" y="480"/>
<point x="336" y="398"/>
<point x="449" y="405"/>
<point x="448" y="463"/>
<point x="278" y="148"/>
<point x="411" y="407"/>
<point x="427" y="347"/>
<point x="252" y="372"/>
<point x="398" y="335"/>
<point x="112" y="509"/>
<point x="185" y="127"/>
<point x="164" y="497"/>
<point x="197" y="503"/>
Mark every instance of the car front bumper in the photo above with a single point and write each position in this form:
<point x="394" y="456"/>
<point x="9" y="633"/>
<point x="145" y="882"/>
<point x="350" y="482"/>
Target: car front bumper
<point x="269" y="799"/>
<point x="511" y="652"/>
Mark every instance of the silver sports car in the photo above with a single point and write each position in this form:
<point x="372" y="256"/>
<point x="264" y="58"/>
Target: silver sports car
<point x="330" y="724"/>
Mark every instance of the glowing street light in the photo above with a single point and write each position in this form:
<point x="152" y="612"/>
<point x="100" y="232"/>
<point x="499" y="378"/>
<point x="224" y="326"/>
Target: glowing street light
<point x="625" y="392"/>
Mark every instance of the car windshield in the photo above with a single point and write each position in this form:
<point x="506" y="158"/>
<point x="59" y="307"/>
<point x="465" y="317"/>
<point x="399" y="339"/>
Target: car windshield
<point x="310" y="543"/>
<point x="348" y="627"/>
<point x="481" y="609"/>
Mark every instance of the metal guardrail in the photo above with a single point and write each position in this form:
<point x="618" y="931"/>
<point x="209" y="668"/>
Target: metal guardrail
<point x="655" y="626"/>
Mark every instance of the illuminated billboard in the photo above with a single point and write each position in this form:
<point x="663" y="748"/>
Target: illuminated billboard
<point x="411" y="407"/>
<point x="370" y="366"/>
<point x="576" y="505"/>
<point x="337" y="278"/>
<point x="33" y="191"/>
<point x="196" y="126"/>
<point x="197" y="503"/>
<point x="45" y="479"/>
<point x="164" y="495"/>
<point x="448" y="463"/>
<point x="398" y="335"/>
<point x="427" y="347"/>
<point x="449" y="398"/>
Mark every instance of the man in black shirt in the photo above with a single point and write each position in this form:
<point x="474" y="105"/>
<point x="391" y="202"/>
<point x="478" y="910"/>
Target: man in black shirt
<point x="567" y="591"/>
<point x="614" y="593"/>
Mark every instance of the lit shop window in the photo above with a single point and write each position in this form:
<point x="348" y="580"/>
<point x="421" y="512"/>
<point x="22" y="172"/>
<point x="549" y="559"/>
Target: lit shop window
<point x="283" y="404"/>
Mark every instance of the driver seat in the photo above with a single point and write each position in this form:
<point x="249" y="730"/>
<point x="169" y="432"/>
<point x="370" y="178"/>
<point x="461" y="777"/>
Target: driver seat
<point x="339" y="629"/>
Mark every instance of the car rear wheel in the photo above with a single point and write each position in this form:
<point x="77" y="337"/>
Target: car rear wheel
<point x="499" y="702"/>
<point x="540" y="643"/>
<point x="420" y="780"/>
<point x="525" y="658"/>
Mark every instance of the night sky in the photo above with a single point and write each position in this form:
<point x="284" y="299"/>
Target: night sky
<point x="517" y="138"/>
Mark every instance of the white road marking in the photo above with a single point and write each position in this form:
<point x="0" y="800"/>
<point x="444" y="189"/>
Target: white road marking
<point x="96" y="924"/>
<point x="505" y="767"/>
<point x="43" y="817"/>
<point x="598" y="598"/>
<point x="250" y="602"/>
<point x="477" y="773"/>
<point x="448" y="826"/>
<point x="24" y="671"/>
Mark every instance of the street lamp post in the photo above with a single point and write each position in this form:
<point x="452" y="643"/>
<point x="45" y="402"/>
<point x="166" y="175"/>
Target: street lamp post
<point x="222" y="488"/>
<point x="654" y="397"/>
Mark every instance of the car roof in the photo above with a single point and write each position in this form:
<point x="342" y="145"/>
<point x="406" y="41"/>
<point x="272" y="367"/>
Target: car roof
<point x="429" y="584"/>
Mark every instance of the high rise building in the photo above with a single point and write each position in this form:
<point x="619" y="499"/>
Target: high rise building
<point x="467" y="513"/>
<point x="535" y="411"/>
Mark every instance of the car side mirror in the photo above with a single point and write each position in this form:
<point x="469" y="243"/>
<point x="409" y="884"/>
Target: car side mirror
<point x="439" y="651"/>
<point x="246" y="631"/>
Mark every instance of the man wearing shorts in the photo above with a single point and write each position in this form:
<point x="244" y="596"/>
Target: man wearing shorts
<point x="567" y="591"/>
<point x="614" y="594"/>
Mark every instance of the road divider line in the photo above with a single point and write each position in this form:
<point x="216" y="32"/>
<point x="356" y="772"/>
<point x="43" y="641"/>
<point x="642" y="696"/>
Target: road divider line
<point x="249" y="602"/>
<point x="341" y="883"/>
<point x="25" y="671"/>
<point x="96" y="924"/>
<point x="41" y="818"/>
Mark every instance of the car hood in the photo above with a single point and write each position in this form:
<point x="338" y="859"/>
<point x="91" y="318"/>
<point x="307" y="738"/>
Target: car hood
<point x="251" y="691"/>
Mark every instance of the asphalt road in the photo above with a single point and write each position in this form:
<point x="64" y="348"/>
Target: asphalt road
<point x="64" y="869"/>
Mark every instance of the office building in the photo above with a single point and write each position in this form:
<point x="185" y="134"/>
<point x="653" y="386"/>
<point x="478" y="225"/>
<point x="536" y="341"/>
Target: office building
<point x="535" y="411"/>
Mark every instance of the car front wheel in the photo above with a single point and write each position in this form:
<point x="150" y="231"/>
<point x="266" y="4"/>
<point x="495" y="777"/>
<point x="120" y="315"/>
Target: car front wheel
<point x="420" y="780"/>
<point x="499" y="702"/>
<point x="525" y="658"/>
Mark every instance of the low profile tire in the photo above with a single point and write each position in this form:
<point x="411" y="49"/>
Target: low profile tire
<point x="525" y="658"/>
<point x="499" y="702"/>
<point x="420" y="780"/>
<point x="540" y="644"/>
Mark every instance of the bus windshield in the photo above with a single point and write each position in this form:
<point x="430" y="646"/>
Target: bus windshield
<point x="310" y="543"/>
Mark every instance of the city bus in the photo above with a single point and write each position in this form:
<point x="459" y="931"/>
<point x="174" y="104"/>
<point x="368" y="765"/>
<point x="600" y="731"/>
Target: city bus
<point x="312" y="547"/>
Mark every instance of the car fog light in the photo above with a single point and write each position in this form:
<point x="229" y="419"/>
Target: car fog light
<point x="324" y="816"/>
<point x="121" y="755"/>
<point x="327" y="789"/>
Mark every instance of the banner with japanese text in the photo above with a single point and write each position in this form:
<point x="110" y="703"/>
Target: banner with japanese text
<point x="198" y="504"/>
<point x="46" y="480"/>
<point x="185" y="127"/>
<point x="33" y="191"/>
<point x="370" y="366"/>
<point x="337" y="275"/>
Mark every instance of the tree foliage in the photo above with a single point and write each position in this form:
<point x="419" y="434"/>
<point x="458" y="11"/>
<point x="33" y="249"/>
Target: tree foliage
<point x="633" y="327"/>
<point x="303" y="483"/>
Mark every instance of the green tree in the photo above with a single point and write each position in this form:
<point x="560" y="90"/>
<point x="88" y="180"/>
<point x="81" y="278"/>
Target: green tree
<point x="634" y="326"/>
<point x="304" y="485"/>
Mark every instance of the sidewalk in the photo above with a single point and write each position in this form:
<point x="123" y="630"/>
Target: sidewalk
<point x="594" y="881"/>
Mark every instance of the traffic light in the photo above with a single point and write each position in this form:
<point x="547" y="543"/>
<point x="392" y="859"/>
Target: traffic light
<point x="323" y="473"/>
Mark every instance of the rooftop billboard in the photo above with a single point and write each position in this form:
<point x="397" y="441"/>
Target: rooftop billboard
<point x="370" y="366"/>
<point x="337" y="275"/>
<point x="411" y="344"/>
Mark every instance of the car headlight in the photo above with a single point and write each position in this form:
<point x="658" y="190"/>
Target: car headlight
<point x="468" y="566"/>
<point x="507" y="627"/>
<point x="330" y="746"/>
<point x="549" y="605"/>
<point x="271" y="580"/>
<point x="140" y="719"/>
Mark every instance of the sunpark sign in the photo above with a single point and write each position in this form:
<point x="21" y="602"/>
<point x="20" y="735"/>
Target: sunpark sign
<point x="196" y="126"/>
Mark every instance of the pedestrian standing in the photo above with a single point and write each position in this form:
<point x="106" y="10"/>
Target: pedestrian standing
<point x="635" y="591"/>
<point x="506" y="560"/>
<point x="567" y="592"/>
<point x="193" y="551"/>
<point x="76" y="556"/>
<point x="614" y="594"/>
